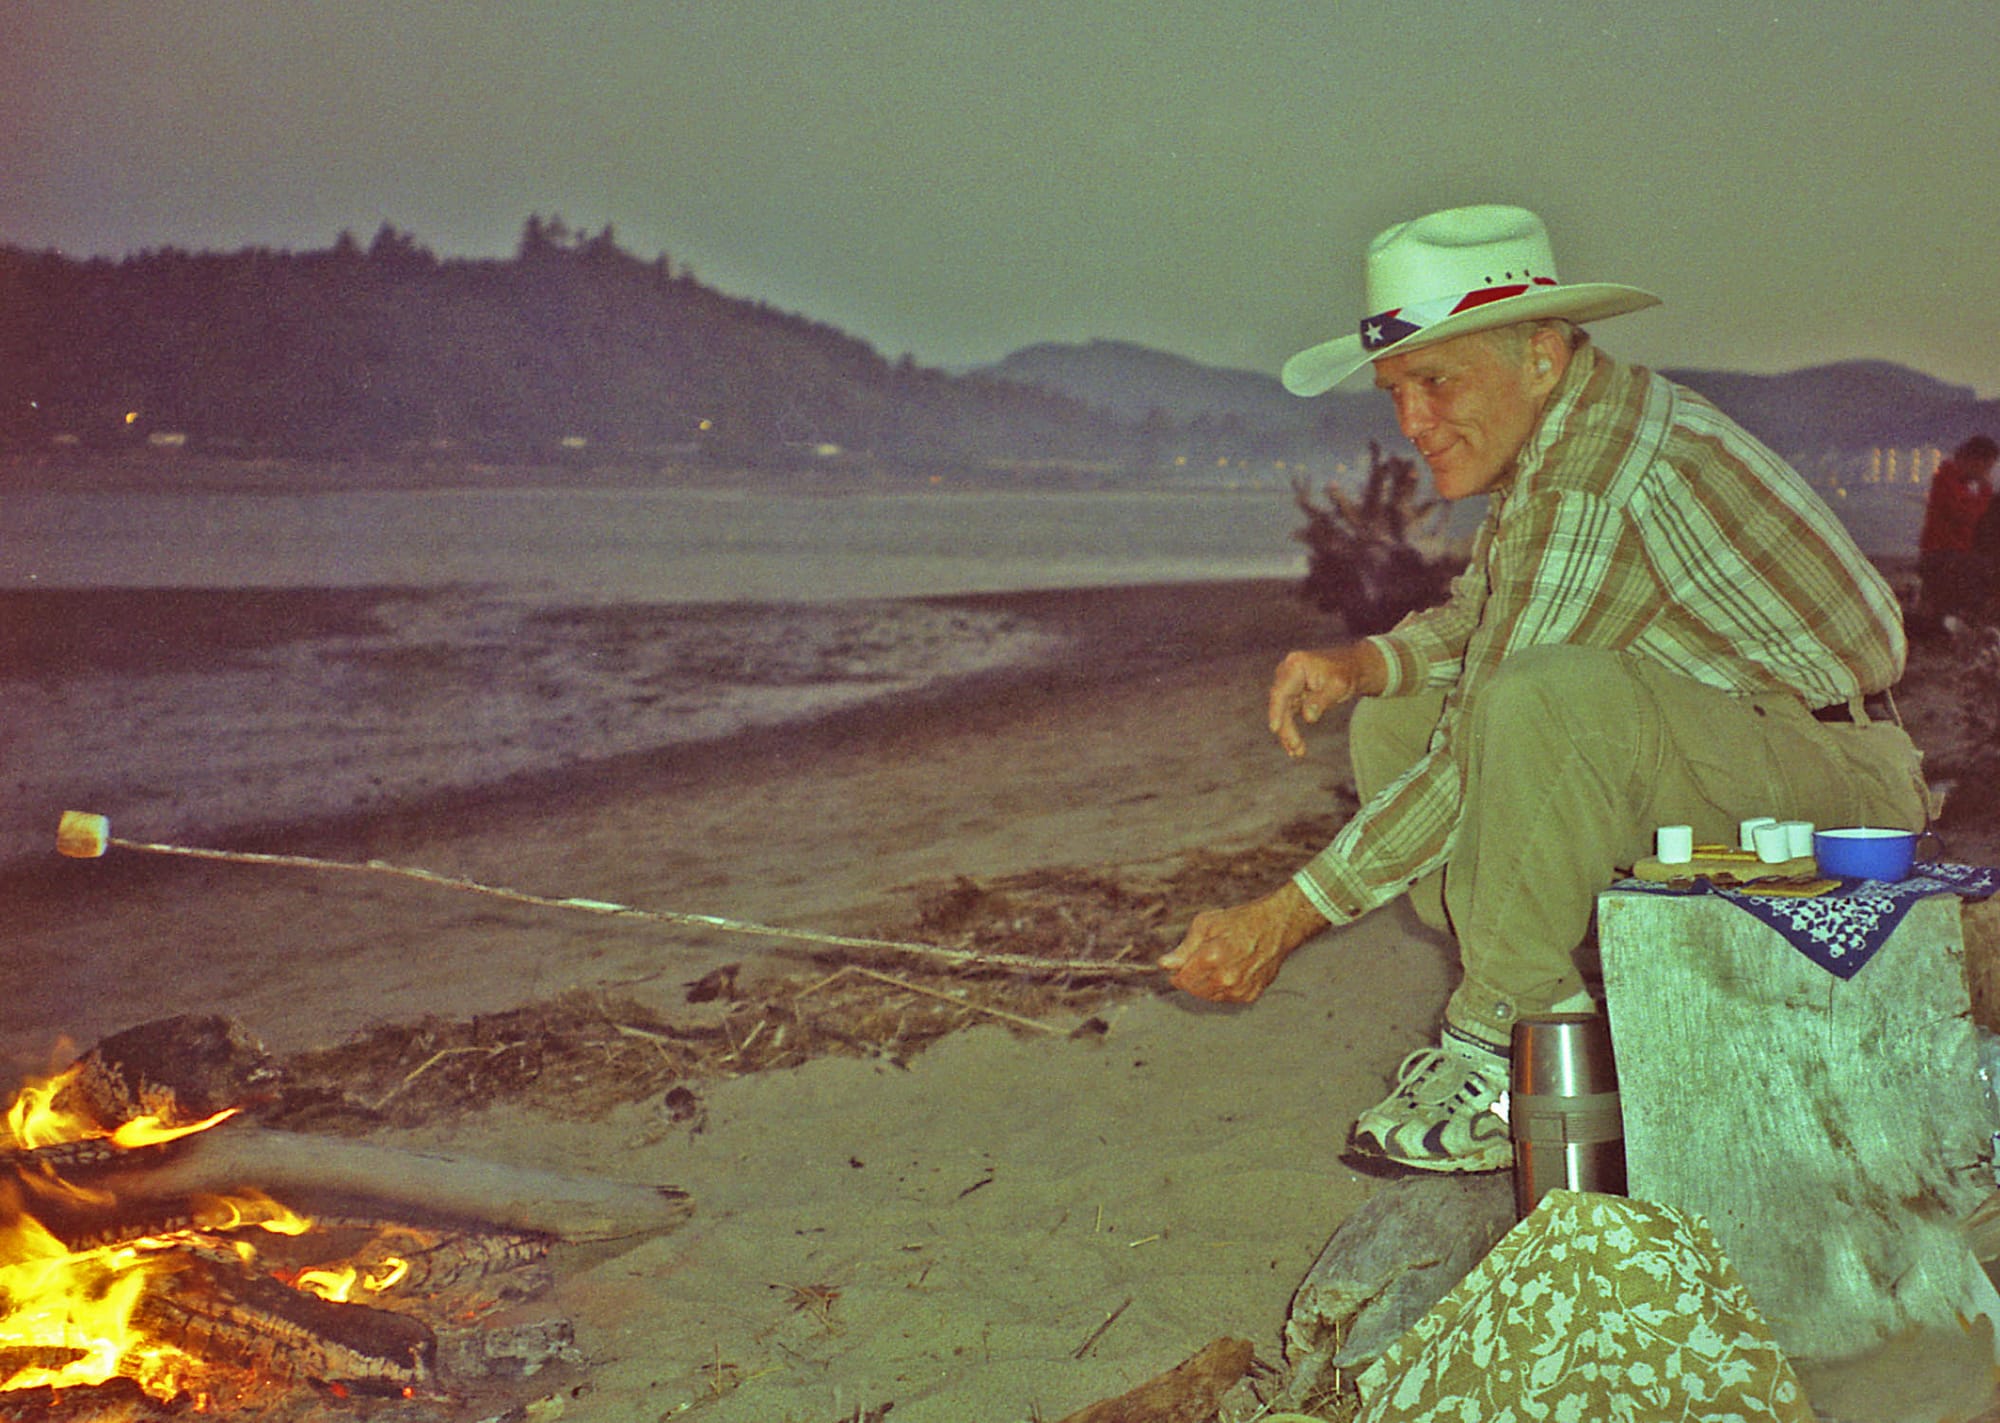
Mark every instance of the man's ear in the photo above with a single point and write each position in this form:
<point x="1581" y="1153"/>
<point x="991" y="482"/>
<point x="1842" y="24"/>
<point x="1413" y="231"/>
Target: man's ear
<point x="1548" y="357"/>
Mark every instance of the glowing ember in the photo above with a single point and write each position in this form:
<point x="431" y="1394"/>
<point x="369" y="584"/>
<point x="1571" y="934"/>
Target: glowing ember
<point x="338" y="1285"/>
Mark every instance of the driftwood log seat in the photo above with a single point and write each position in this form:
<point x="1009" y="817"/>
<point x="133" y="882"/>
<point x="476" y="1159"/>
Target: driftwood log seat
<point x="1833" y="1133"/>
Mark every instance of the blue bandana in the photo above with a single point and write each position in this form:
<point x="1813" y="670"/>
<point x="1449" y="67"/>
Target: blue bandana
<point x="1841" y="929"/>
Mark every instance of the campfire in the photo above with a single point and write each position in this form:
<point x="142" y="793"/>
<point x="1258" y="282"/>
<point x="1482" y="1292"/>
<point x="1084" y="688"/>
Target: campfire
<point x="140" y="1275"/>
<point x="69" y="1305"/>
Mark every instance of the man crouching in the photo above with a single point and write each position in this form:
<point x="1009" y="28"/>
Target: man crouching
<point x="1660" y="623"/>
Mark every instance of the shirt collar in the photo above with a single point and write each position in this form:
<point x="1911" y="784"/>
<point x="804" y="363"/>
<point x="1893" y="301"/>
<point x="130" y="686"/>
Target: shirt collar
<point x="1556" y="416"/>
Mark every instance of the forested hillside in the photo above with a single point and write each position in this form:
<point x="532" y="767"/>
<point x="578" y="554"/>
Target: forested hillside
<point x="574" y="348"/>
<point x="573" y="345"/>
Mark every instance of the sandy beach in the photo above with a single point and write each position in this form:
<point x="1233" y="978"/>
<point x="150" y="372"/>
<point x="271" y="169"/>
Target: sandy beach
<point x="947" y="1230"/>
<point x="1183" y="1159"/>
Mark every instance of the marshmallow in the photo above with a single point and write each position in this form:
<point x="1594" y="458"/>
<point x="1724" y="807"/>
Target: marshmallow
<point x="1773" y="845"/>
<point x="82" y="836"/>
<point x="1746" y="833"/>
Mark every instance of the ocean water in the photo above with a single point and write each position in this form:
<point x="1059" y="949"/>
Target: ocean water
<point x="679" y="545"/>
<point x="518" y="631"/>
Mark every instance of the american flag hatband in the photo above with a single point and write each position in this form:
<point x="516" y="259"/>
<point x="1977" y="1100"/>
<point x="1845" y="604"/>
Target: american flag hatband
<point x="1399" y="323"/>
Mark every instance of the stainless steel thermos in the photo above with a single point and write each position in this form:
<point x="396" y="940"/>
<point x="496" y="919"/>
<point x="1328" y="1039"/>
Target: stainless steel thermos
<point x="1563" y="1108"/>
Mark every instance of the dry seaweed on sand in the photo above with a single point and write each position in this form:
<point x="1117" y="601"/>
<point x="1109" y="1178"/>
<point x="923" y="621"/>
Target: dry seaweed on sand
<point x="586" y="1053"/>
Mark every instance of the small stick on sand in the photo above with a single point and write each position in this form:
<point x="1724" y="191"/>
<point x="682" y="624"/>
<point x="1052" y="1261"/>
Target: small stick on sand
<point x="1098" y="1333"/>
<point x="432" y="1061"/>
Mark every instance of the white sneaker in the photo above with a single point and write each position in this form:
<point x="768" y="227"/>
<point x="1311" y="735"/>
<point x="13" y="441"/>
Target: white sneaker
<point x="1446" y="1114"/>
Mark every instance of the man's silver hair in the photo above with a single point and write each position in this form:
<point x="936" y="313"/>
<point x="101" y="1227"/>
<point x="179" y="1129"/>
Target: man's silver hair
<point x="1511" y="341"/>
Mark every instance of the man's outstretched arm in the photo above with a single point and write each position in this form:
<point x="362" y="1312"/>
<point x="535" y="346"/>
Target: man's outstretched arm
<point x="1231" y="955"/>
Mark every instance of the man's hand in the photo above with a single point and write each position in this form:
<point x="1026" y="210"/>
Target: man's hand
<point x="1231" y="955"/>
<point x="1310" y="684"/>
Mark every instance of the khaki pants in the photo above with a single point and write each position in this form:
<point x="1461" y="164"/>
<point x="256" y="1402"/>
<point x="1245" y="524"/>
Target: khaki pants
<point x="1572" y="758"/>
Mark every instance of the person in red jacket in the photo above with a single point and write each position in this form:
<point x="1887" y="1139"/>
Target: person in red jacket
<point x="1961" y="490"/>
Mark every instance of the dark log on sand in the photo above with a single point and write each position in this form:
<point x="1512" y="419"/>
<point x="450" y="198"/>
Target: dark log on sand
<point x="1190" y="1392"/>
<point x="1386" y="1265"/>
<point x="334" y="1176"/>
<point x="183" y="1069"/>
<point x="255" y="1323"/>
<point x="117" y="1400"/>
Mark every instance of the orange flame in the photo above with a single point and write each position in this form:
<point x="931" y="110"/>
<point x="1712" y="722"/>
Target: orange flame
<point x="220" y="1214"/>
<point x="79" y="1302"/>
<point x="149" y="1130"/>
<point x="34" y="1120"/>
<point x="72" y="1309"/>
<point x="335" y="1285"/>
<point x="338" y="1285"/>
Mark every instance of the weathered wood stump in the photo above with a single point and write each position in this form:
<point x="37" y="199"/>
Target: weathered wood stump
<point x="1832" y="1133"/>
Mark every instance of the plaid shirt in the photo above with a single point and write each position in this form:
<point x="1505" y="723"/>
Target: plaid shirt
<point x="1641" y="519"/>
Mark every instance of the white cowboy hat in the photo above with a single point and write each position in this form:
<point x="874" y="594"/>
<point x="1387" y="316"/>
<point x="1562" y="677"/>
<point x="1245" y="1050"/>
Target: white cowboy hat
<point x="1449" y="273"/>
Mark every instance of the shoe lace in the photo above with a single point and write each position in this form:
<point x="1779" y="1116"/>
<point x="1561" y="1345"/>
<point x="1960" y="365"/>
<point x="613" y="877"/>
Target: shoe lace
<point x="1434" y="1075"/>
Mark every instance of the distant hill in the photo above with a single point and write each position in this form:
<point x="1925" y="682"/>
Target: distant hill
<point x="574" y="348"/>
<point x="1849" y="405"/>
<point x="1130" y="380"/>
<point x="1861" y="431"/>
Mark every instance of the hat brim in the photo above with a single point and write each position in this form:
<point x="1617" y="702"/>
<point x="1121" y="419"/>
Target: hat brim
<point x="1320" y="368"/>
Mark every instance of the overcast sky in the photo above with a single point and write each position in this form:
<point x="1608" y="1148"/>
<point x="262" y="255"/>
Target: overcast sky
<point x="1802" y="182"/>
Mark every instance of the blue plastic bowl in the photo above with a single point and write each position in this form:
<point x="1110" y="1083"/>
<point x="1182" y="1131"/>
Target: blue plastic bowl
<point x="1862" y="853"/>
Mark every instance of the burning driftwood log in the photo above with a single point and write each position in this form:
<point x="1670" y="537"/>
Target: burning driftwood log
<point x="330" y="1176"/>
<point x="402" y="1312"/>
<point x="180" y="1069"/>
<point x="140" y="1240"/>
<point x="252" y="1322"/>
<point x="1360" y="562"/>
<point x="179" y="1073"/>
<point x="118" y="1400"/>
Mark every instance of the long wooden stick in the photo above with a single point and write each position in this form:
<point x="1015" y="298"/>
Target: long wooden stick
<point x="918" y="988"/>
<point x="968" y="958"/>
